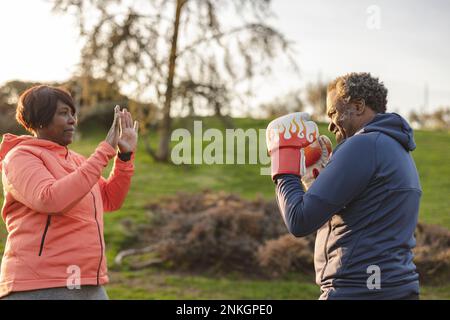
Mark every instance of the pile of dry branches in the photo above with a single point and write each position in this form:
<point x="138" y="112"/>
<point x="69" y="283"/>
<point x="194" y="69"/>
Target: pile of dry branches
<point x="220" y="232"/>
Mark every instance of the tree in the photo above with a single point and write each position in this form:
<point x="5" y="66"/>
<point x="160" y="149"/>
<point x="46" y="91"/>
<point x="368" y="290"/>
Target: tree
<point x="11" y="91"/>
<point x="178" y="50"/>
<point x="291" y="102"/>
<point x="93" y="99"/>
<point x="9" y="96"/>
<point x="316" y="94"/>
<point x="414" y="118"/>
<point x="439" y="119"/>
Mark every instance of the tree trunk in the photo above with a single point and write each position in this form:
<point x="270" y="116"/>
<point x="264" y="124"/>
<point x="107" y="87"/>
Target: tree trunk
<point x="166" y="125"/>
<point x="226" y="120"/>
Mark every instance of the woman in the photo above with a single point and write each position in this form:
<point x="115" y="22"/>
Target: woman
<point x="55" y="199"/>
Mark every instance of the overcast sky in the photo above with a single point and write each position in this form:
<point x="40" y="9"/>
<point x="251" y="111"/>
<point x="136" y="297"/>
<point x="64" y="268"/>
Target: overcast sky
<point x="410" y="49"/>
<point x="404" y="42"/>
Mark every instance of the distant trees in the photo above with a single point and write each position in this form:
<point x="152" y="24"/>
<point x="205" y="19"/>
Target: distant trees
<point x="94" y="98"/>
<point x="9" y="96"/>
<point x="316" y="95"/>
<point x="438" y="119"/>
<point x="291" y="102"/>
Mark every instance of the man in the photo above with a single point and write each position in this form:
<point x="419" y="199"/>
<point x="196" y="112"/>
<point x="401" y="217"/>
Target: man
<point x="363" y="201"/>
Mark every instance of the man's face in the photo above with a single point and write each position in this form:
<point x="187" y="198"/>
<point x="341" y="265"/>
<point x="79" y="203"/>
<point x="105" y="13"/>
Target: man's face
<point x="342" y="117"/>
<point x="62" y="127"/>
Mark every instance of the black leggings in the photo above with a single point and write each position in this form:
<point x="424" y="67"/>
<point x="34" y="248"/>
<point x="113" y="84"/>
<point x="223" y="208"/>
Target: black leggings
<point x="84" y="293"/>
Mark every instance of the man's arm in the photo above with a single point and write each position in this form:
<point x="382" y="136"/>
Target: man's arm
<point x="348" y="173"/>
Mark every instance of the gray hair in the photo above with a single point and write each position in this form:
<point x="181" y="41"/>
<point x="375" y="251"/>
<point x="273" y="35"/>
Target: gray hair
<point x="354" y="86"/>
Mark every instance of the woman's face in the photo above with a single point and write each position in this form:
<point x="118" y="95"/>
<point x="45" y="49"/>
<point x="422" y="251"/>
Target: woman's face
<point x="62" y="127"/>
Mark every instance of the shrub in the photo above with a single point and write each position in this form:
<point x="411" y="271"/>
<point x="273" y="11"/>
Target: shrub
<point x="220" y="233"/>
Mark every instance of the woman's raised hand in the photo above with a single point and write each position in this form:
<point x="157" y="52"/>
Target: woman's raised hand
<point x="114" y="132"/>
<point x="128" y="133"/>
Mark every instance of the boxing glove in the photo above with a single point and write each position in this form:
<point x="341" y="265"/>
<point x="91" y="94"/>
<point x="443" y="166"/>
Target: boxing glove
<point x="286" y="138"/>
<point x="323" y="147"/>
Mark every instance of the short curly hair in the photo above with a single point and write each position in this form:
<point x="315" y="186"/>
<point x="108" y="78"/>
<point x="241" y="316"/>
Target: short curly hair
<point x="361" y="86"/>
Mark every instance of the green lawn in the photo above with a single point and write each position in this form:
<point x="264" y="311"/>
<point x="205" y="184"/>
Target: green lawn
<point x="153" y="180"/>
<point x="154" y="284"/>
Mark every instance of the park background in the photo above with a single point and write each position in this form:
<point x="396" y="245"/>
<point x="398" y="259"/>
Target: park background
<point x="213" y="231"/>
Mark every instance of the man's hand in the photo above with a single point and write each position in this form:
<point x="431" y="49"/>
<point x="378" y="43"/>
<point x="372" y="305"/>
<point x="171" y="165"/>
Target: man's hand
<point x="311" y="171"/>
<point x="286" y="136"/>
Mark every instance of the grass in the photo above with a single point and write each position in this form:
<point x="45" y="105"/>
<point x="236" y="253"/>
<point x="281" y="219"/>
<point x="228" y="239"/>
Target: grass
<point x="432" y="158"/>
<point x="153" y="284"/>
<point x="154" y="180"/>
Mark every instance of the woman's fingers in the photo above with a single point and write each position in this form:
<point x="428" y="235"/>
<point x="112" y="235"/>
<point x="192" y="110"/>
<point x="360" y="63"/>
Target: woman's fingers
<point x="114" y="124"/>
<point x="125" y="119"/>
<point x="116" y="113"/>
<point x="113" y="133"/>
<point x="129" y="120"/>
<point x="123" y="122"/>
<point x="118" y="120"/>
<point x="124" y="116"/>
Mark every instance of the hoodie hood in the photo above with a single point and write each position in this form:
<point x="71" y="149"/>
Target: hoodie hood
<point x="11" y="141"/>
<point x="393" y="125"/>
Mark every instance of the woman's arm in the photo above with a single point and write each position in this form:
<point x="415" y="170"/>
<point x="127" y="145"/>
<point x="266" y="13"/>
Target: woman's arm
<point x="30" y="181"/>
<point x="115" y="188"/>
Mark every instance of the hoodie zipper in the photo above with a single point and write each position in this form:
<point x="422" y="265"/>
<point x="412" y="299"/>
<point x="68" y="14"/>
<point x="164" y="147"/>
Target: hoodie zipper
<point x="100" y="239"/>
<point x="47" y="224"/>
<point x="325" y="249"/>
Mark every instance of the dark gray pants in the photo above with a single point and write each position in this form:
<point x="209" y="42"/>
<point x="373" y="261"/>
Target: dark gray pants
<point x="84" y="293"/>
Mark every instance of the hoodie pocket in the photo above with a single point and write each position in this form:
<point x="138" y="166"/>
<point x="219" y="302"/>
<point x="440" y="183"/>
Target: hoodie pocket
<point x="44" y="234"/>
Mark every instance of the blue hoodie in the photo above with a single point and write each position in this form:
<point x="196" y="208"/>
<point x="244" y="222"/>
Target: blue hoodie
<point x="364" y="206"/>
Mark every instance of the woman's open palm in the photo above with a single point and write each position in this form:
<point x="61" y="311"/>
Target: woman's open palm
<point x="128" y="133"/>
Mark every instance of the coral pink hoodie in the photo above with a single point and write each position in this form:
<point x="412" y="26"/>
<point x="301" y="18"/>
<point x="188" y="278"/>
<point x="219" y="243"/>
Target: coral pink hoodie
<point x="53" y="211"/>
